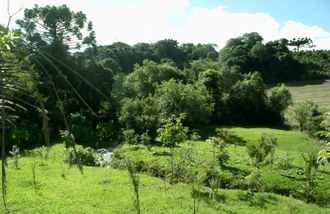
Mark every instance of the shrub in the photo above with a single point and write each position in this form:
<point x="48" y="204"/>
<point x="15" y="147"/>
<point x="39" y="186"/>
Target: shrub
<point x="255" y="182"/>
<point x="172" y="131"/>
<point x="105" y="134"/>
<point x="81" y="128"/>
<point x="309" y="116"/>
<point x="278" y="101"/>
<point x="86" y="154"/>
<point x="307" y="190"/>
<point x="265" y="146"/>
<point x="16" y="154"/>
<point x="67" y="138"/>
<point x="130" y="137"/>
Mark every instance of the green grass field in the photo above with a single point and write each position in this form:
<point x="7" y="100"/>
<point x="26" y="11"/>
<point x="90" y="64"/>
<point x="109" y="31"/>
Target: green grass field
<point x="60" y="189"/>
<point x="316" y="90"/>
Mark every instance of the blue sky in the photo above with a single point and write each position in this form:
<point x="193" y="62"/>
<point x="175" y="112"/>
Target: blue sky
<point x="310" y="12"/>
<point x="197" y="21"/>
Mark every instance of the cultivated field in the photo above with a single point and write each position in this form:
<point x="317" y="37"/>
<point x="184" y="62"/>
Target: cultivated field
<point x="317" y="91"/>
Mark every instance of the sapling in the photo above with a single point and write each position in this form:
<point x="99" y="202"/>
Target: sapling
<point x="34" y="163"/>
<point x="171" y="133"/>
<point x="135" y="179"/>
<point x="307" y="189"/>
<point x="16" y="155"/>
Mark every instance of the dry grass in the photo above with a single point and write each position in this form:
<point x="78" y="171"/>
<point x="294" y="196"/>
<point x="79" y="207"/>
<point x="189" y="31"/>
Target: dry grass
<point x="317" y="91"/>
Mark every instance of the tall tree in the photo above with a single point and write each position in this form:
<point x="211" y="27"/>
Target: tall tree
<point x="298" y="43"/>
<point x="57" y="27"/>
<point x="52" y="32"/>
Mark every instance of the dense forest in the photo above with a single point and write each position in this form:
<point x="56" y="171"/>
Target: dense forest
<point x="99" y="92"/>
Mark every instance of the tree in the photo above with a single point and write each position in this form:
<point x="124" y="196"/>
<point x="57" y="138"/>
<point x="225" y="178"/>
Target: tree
<point x="236" y="52"/>
<point x="140" y="115"/>
<point x="278" y="101"/>
<point x="174" y="97"/>
<point x="199" y="51"/>
<point x="58" y="27"/>
<point x="298" y="43"/>
<point x="11" y="67"/>
<point x="247" y="99"/>
<point x="51" y="32"/>
<point x="169" y="49"/>
<point x="143" y="80"/>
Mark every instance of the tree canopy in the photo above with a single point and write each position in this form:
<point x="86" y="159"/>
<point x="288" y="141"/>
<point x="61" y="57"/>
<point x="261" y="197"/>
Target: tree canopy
<point x="118" y="87"/>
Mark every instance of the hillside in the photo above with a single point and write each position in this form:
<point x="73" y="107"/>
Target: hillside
<point x="315" y="90"/>
<point x="60" y="189"/>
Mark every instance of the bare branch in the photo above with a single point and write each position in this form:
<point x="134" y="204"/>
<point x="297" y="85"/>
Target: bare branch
<point x="10" y="16"/>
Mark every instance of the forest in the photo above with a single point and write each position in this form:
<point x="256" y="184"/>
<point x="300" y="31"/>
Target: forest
<point x="59" y="85"/>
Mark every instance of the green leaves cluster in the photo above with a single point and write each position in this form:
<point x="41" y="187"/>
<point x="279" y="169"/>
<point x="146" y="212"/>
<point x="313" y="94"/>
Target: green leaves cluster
<point x="260" y="150"/>
<point x="173" y="131"/>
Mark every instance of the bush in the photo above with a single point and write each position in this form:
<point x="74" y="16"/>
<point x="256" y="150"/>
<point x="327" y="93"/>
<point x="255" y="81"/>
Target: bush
<point x="86" y="154"/>
<point x="142" y="115"/>
<point x="81" y="128"/>
<point x="265" y="146"/>
<point x="309" y="116"/>
<point x="278" y="101"/>
<point x="105" y="134"/>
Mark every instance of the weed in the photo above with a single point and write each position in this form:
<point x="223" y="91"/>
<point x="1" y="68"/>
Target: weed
<point x="307" y="189"/>
<point x="135" y="180"/>
<point x="16" y="155"/>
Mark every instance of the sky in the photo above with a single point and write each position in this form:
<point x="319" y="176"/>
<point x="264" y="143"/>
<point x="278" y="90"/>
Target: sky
<point x="195" y="21"/>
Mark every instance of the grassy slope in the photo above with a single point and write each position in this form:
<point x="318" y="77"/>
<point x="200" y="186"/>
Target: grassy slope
<point x="317" y="91"/>
<point x="65" y="190"/>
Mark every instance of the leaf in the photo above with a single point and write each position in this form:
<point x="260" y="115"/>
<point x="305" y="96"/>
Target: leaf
<point x="323" y="153"/>
<point x="7" y="47"/>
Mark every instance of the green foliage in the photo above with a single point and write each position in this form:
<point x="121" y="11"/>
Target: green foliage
<point x="324" y="134"/>
<point x="141" y="115"/>
<point x="81" y="129"/>
<point x="308" y="189"/>
<point x="308" y="116"/>
<point x="273" y="60"/>
<point x="105" y="134"/>
<point x="173" y="131"/>
<point x="130" y="137"/>
<point x="67" y="138"/>
<point x="135" y="179"/>
<point x="174" y="98"/>
<point x="220" y="153"/>
<point x="316" y="62"/>
<point x="143" y="81"/>
<point x="298" y="43"/>
<point x="41" y="152"/>
<point x="57" y="26"/>
<point x="245" y="101"/>
<point x="259" y="151"/>
<point x="280" y="98"/>
<point x="16" y="155"/>
<point x="169" y="49"/>
<point x="86" y="155"/>
<point x="255" y="181"/>
<point x="104" y="185"/>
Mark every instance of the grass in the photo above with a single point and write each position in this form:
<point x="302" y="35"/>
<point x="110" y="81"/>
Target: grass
<point x="61" y="189"/>
<point x="317" y="91"/>
<point x="285" y="176"/>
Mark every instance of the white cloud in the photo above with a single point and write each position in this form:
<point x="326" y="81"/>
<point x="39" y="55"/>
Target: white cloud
<point x="217" y="25"/>
<point x="292" y="29"/>
<point x="134" y="21"/>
